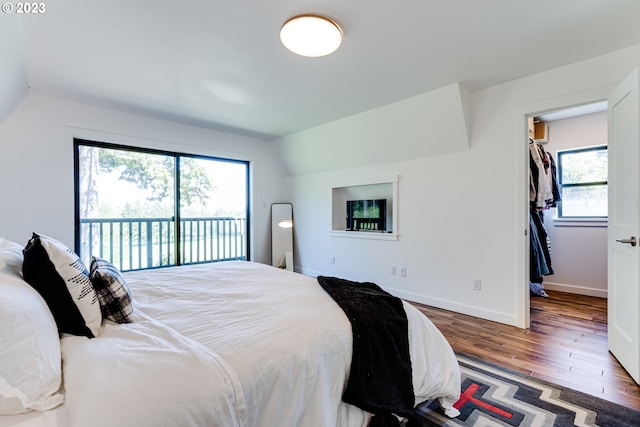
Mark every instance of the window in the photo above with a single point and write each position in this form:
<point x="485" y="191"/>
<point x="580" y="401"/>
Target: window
<point x="141" y="208"/>
<point x="582" y="176"/>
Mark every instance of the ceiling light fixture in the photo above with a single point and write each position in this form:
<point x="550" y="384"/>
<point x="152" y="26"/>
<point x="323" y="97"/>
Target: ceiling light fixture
<point x="311" y="35"/>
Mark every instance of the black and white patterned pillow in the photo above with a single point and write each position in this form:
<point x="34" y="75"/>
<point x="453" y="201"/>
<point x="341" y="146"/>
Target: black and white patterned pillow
<point x="62" y="279"/>
<point x="113" y="292"/>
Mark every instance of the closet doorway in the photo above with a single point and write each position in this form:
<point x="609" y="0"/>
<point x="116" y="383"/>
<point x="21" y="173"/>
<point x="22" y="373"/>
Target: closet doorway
<point x="623" y="217"/>
<point x="574" y="235"/>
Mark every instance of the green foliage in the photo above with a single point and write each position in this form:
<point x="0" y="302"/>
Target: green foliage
<point x="583" y="167"/>
<point x="157" y="173"/>
<point x="584" y="176"/>
<point x="145" y="210"/>
<point x="195" y="183"/>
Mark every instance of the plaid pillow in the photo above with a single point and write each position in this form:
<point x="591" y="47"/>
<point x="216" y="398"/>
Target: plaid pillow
<point x="113" y="292"/>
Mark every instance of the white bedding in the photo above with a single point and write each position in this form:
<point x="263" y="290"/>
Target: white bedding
<point x="230" y="344"/>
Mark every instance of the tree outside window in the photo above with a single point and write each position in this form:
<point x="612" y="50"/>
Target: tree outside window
<point x="583" y="181"/>
<point x="131" y="211"/>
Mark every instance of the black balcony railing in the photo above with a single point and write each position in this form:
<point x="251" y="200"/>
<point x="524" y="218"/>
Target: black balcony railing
<point x="140" y="243"/>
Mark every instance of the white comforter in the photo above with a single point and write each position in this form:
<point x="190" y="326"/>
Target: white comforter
<point x="232" y="344"/>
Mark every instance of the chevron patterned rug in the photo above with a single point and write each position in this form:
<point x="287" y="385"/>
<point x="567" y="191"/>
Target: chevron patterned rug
<point x="492" y="396"/>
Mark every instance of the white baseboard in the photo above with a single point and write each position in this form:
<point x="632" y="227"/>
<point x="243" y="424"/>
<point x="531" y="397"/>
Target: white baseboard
<point x="308" y="272"/>
<point x="579" y="290"/>
<point x="495" y="316"/>
<point x="469" y="310"/>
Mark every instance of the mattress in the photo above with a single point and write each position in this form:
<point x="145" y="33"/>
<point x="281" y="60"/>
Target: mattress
<point x="229" y="344"/>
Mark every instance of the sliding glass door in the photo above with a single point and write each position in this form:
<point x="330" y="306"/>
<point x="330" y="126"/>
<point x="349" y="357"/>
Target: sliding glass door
<point x="213" y="223"/>
<point x="145" y="209"/>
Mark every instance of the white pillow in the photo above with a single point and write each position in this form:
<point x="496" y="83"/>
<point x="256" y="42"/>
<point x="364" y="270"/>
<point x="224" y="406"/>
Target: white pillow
<point x="10" y="257"/>
<point x="30" y="361"/>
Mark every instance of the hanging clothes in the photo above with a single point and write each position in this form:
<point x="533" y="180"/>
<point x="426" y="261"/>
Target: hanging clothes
<point x="541" y="247"/>
<point x="555" y="188"/>
<point x="544" y="193"/>
<point x="543" y="184"/>
<point x="538" y="262"/>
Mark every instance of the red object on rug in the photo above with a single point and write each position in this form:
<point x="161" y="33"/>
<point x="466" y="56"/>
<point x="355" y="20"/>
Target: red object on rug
<point x="468" y="395"/>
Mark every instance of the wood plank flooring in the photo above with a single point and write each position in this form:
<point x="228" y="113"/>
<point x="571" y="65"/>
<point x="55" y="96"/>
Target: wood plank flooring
<point x="566" y="345"/>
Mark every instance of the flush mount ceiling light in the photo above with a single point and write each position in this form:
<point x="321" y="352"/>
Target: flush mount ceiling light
<point x="311" y="35"/>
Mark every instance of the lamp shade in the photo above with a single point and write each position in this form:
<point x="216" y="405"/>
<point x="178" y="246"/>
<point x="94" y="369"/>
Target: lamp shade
<point x="311" y="35"/>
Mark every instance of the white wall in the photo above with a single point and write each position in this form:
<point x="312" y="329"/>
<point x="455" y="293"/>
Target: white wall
<point x="379" y="135"/>
<point x="461" y="205"/>
<point x="36" y="164"/>
<point x="13" y="76"/>
<point x="578" y="250"/>
<point x="461" y="214"/>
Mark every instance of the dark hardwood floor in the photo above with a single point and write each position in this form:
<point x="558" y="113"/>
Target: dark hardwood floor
<point x="566" y="345"/>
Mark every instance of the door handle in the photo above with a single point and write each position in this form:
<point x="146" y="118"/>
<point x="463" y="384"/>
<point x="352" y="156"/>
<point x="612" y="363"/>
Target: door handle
<point x="631" y="241"/>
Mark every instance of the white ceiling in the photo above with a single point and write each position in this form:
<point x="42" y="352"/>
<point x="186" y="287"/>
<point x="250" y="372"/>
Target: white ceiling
<point x="579" y="110"/>
<point x="220" y="63"/>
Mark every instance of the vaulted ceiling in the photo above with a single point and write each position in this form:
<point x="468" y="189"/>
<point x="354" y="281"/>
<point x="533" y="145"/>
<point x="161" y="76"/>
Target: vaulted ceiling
<point x="220" y="63"/>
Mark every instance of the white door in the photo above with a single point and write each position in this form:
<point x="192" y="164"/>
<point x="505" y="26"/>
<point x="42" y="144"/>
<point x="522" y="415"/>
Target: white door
<point x="624" y="226"/>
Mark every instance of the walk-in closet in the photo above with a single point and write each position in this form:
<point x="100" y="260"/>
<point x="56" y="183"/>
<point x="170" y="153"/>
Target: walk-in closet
<point x="568" y="242"/>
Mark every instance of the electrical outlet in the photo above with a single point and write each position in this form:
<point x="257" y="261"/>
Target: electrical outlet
<point x="403" y="271"/>
<point x="393" y="270"/>
<point x="476" y="284"/>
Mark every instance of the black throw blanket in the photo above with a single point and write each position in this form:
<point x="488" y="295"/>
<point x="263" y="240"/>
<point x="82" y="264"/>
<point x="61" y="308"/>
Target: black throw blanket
<point x="380" y="379"/>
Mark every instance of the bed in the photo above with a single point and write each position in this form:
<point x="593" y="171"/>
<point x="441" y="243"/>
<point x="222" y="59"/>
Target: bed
<point x="225" y="344"/>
